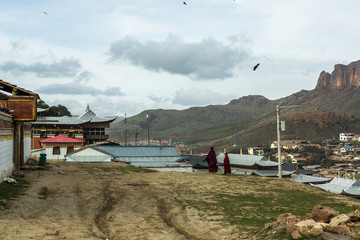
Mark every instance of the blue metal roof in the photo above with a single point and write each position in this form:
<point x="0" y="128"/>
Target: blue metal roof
<point x="140" y="151"/>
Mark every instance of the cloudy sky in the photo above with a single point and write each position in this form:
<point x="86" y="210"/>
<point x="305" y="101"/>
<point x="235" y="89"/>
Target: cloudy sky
<point x="127" y="56"/>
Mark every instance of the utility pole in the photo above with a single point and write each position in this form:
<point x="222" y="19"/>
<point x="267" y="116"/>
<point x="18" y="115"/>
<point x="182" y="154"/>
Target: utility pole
<point x="147" y="117"/>
<point x="235" y="132"/>
<point x="125" y="129"/>
<point x="278" y="135"/>
<point x="278" y="140"/>
<point x="136" y="134"/>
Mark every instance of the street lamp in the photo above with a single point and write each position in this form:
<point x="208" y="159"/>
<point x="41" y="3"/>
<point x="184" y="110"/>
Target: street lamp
<point x="125" y="129"/>
<point x="147" y="118"/>
<point x="278" y="135"/>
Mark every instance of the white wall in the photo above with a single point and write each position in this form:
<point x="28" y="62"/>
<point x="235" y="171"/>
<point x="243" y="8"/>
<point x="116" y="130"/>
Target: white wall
<point x="63" y="152"/>
<point x="27" y="146"/>
<point x="89" y="155"/>
<point x="6" y="155"/>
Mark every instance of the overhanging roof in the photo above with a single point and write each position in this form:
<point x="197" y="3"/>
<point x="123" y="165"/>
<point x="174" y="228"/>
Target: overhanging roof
<point x="11" y="88"/>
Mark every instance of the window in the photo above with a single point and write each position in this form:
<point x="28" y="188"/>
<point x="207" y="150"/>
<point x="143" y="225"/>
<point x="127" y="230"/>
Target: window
<point x="71" y="134"/>
<point x="56" y="150"/>
<point x="43" y="134"/>
<point x="69" y="150"/>
<point x="95" y="131"/>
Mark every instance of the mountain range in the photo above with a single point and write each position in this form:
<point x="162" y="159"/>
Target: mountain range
<point x="324" y="112"/>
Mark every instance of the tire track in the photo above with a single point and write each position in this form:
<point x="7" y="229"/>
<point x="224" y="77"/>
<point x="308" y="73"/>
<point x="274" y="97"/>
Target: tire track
<point x="164" y="213"/>
<point x="101" y="219"/>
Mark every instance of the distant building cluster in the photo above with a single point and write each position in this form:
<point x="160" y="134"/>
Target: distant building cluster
<point x="345" y="137"/>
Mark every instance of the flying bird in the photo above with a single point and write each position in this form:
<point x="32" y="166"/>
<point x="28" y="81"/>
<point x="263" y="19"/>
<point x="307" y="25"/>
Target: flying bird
<point x="44" y="12"/>
<point x="256" y="66"/>
<point x="184" y="3"/>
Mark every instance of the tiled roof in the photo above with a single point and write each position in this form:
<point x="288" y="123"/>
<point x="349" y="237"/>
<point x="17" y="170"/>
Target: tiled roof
<point x="61" y="139"/>
<point x="59" y="120"/>
<point x="89" y="115"/>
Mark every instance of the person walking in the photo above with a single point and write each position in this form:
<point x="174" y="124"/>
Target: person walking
<point x="212" y="161"/>
<point x="227" y="169"/>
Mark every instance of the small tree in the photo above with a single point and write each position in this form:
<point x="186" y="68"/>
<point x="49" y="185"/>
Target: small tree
<point x="58" y="111"/>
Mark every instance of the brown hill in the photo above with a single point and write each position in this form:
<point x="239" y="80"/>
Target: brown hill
<point x="341" y="76"/>
<point x="324" y="112"/>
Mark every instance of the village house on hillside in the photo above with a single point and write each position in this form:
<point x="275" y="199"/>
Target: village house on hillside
<point x="88" y="127"/>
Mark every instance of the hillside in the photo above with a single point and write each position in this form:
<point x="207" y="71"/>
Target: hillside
<point x="323" y="112"/>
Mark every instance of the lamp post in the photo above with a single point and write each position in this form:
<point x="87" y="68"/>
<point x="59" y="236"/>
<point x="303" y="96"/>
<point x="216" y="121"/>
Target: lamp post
<point x="278" y="135"/>
<point x="147" y="118"/>
<point x="125" y="128"/>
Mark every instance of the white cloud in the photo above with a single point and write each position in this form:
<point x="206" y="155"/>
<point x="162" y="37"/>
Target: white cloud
<point x="207" y="59"/>
<point x="64" y="68"/>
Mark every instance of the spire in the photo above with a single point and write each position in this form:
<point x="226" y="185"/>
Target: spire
<point x="88" y="108"/>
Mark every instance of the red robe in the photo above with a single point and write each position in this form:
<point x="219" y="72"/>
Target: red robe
<point x="227" y="168"/>
<point x="212" y="161"/>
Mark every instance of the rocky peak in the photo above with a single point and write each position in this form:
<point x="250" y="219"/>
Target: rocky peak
<point x="343" y="75"/>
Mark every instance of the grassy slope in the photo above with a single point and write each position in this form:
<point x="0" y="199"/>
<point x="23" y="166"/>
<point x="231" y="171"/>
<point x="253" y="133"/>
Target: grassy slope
<point x="250" y="203"/>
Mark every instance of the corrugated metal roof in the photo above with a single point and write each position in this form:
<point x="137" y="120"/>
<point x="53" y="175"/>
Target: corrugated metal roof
<point x="302" y="178"/>
<point x="271" y="173"/>
<point x="160" y="164"/>
<point x="146" y="159"/>
<point x="140" y="151"/>
<point x="93" y="158"/>
<point x="354" y="191"/>
<point x="263" y="173"/>
<point x="338" y="185"/>
<point x="246" y="160"/>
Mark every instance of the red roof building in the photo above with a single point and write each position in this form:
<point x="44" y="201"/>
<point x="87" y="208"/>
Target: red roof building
<point x="59" y="146"/>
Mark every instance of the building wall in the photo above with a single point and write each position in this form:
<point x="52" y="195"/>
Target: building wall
<point x="63" y="151"/>
<point x="88" y="155"/>
<point x="27" y="145"/>
<point x="6" y="146"/>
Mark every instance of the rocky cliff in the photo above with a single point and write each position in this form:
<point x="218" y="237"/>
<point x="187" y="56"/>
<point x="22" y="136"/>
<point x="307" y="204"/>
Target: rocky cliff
<point x="343" y="75"/>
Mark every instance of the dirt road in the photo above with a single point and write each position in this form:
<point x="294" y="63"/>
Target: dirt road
<point x="102" y="201"/>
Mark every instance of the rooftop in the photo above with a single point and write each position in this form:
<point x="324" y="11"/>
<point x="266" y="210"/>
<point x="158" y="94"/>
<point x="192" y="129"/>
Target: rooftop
<point x="61" y="139"/>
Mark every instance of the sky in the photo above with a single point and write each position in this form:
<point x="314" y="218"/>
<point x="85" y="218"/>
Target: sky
<point x="127" y="56"/>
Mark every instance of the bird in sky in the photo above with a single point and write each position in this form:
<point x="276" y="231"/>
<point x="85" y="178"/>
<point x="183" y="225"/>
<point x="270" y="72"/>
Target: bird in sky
<point x="184" y="3"/>
<point x="44" y="12"/>
<point x="256" y="66"/>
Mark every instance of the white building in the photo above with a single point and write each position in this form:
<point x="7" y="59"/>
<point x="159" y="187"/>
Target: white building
<point x="57" y="147"/>
<point x="344" y="137"/>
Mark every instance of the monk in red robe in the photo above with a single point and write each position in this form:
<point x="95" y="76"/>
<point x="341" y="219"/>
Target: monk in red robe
<point x="212" y="161"/>
<point x="227" y="169"/>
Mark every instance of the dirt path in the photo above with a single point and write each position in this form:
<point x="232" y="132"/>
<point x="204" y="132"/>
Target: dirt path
<point x="87" y="201"/>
